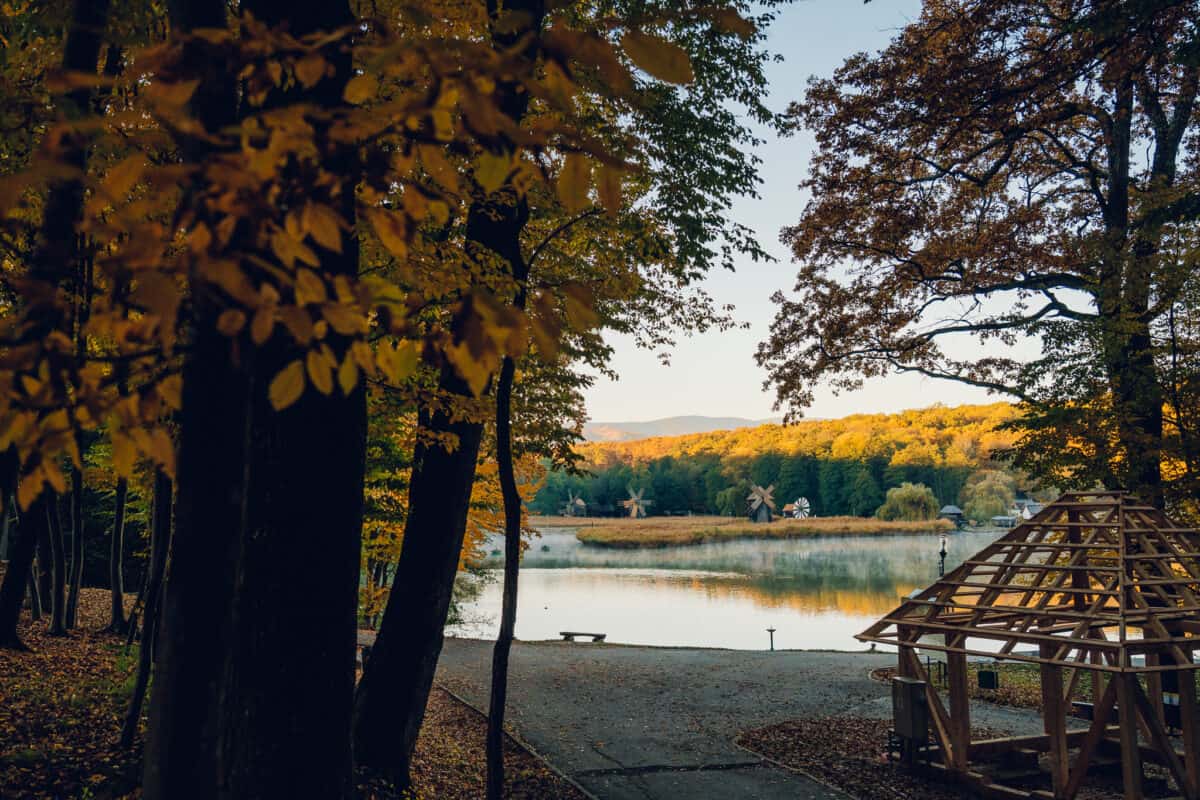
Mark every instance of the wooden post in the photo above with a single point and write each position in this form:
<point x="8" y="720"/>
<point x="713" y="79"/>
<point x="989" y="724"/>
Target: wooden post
<point x="1131" y="757"/>
<point x="1054" y="720"/>
<point x="1190" y="725"/>
<point x="960" y="704"/>
<point x="902" y="635"/>
<point x="1154" y="687"/>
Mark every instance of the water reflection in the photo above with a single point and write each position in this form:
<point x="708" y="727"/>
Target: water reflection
<point x="817" y="592"/>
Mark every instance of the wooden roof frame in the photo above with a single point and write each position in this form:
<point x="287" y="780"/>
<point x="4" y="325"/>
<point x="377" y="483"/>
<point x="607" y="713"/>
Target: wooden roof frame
<point x="1095" y="581"/>
<point x="1093" y="573"/>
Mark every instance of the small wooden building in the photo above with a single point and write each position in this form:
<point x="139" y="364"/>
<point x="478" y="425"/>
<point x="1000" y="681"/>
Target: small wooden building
<point x="954" y="514"/>
<point x="1095" y="583"/>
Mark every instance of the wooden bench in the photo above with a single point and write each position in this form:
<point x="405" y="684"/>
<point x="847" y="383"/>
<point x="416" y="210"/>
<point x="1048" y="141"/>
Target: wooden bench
<point x="569" y="636"/>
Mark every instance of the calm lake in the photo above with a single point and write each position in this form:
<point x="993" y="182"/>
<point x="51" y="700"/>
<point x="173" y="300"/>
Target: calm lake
<point x="816" y="593"/>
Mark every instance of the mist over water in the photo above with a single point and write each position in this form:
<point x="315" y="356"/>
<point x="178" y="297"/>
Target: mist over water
<point x="817" y="593"/>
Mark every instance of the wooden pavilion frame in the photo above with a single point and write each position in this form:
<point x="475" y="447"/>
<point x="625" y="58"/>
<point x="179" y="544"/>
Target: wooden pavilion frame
<point x="1094" y="582"/>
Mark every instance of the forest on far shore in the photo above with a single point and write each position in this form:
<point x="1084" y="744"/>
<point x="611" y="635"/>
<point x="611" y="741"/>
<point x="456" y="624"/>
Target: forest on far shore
<point x="842" y="466"/>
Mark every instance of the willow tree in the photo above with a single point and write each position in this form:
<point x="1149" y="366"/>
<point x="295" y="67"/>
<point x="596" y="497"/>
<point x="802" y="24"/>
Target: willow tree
<point x="1005" y="171"/>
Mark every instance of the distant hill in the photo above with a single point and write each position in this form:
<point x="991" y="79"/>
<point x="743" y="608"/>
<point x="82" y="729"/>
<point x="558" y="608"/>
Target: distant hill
<point x="669" y="426"/>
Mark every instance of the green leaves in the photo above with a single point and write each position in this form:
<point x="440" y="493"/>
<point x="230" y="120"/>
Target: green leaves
<point x="664" y="60"/>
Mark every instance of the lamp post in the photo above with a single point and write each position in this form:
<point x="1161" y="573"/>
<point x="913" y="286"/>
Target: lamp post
<point x="942" y="558"/>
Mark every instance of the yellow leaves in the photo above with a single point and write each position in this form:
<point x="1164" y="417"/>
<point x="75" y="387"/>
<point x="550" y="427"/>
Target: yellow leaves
<point x="323" y="224"/>
<point x="263" y="324"/>
<point x="288" y="249"/>
<point x="735" y="23"/>
<point x="309" y="288"/>
<point x="397" y="361"/>
<point x="344" y="319"/>
<point x="391" y="229"/>
<point x="319" y="364"/>
<point x="172" y="94"/>
<point x="287" y="386"/>
<point x="158" y="293"/>
<point x="608" y="185"/>
<point x="347" y="374"/>
<point x="491" y="170"/>
<point x="360" y="89"/>
<point x="124" y="454"/>
<point x="171" y="391"/>
<point x="310" y="69"/>
<point x="664" y="60"/>
<point x="573" y="182"/>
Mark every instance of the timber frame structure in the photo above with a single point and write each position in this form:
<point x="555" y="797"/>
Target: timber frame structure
<point x="1095" y="582"/>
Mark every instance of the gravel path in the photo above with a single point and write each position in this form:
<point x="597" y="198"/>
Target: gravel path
<point x="649" y="722"/>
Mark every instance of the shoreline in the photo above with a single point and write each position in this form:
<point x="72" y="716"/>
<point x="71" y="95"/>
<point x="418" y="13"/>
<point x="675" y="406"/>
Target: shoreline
<point x="653" y="533"/>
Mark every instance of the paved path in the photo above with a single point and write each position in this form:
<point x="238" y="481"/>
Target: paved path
<point x="631" y="723"/>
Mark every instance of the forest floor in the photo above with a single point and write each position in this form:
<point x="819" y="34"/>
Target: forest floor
<point x="623" y="532"/>
<point x="61" y="707"/>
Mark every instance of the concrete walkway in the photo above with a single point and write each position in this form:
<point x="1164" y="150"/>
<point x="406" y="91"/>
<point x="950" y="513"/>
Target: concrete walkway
<point x="644" y="722"/>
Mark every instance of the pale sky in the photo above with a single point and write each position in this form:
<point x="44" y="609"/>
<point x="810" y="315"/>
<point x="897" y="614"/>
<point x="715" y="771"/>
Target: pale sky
<point x="715" y="374"/>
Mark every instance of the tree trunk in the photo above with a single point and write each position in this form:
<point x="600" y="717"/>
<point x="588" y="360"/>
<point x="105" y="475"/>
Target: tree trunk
<point x="394" y="690"/>
<point x="35" y="597"/>
<point x="390" y="703"/>
<point x="160" y="544"/>
<point x="512" y="567"/>
<point x="180" y="751"/>
<point x="116" y="578"/>
<point x="75" y="504"/>
<point x="45" y="567"/>
<point x="20" y="558"/>
<point x="58" y="566"/>
<point x="285" y="708"/>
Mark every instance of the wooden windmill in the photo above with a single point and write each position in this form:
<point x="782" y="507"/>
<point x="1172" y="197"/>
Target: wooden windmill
<point x="575" y="507"/>
<point x="1094" y="583"/>
<point x="635" y="504"/>
<point x="760" y="504"/>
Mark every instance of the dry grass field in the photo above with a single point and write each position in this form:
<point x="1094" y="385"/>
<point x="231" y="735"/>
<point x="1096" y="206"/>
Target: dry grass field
<point x="623" y="532"/>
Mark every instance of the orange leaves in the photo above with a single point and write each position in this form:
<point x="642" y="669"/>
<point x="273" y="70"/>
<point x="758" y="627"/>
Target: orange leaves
<point x="664" y="60"/>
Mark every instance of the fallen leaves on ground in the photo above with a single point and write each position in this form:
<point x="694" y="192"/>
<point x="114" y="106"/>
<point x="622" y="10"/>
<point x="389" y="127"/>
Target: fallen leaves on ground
<point x="851" y="754"/>
<point x="62" y="704"/>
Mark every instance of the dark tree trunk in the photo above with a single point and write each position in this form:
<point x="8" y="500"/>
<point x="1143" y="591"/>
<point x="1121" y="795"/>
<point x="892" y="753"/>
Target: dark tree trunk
<point x="58" y="564"/>
<point x="512" y="567"/>
<point x="160" y="544"/>
<point x="181" y="739"/>
<point x="116" y="576"/>
<point x="75" y="504"/>
<point x="390" y="702"/>
<point x="286" y="706"/>
<point x="394" y="690"/>
<point x="20" y="558"/>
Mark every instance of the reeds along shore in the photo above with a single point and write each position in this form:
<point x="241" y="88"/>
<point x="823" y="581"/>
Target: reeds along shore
<point x="675" y="531"/>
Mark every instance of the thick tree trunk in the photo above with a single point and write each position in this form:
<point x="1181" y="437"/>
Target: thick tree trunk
<point x="181" y="739"/>
<point x="285" y="709"/>
<point x="58" y="566"/>
<point x="116" y="551"/>
<point x="160" y="544"/>
<point x="512" y="567"/>
<point x="394" y="690"/>
<point x="75" y="504"/>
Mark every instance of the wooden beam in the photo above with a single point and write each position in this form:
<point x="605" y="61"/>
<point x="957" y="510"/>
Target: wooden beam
<point x="960" y="705"/>
<point x="1131" y="757"/>
<point x="1054" y="720"/>
<point x="1087" y="747"/>
<point x="1158" y="735"/>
